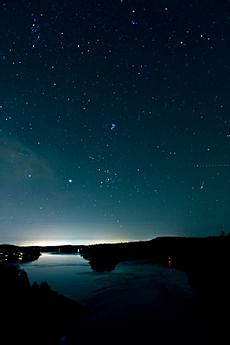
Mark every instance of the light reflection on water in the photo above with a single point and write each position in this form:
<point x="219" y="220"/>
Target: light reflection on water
<point x="148" y="296"/>
<point x="72" y="276"/>
<point x="68" y="274"/>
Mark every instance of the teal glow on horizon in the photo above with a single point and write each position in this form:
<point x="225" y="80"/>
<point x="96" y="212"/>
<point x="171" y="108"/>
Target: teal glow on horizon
<point x="114" y="120"/>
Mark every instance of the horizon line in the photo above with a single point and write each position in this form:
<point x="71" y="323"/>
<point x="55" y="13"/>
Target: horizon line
<point x="57" y="244"/>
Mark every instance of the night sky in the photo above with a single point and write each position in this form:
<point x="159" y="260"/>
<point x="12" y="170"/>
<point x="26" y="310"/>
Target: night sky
<point x="114" y="120"/>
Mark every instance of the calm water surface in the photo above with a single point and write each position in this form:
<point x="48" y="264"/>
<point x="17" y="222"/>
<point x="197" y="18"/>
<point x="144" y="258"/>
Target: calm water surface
<point x="68" y="274"/>
<point x="135" y="299"/>
<point x="72" y="276"/>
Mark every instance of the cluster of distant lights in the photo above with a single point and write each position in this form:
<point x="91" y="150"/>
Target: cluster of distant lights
<point x="43" y="243"/>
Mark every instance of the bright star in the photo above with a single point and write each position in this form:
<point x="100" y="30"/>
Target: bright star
<point x="113" y="126"/>
<point x="202" y="185"/>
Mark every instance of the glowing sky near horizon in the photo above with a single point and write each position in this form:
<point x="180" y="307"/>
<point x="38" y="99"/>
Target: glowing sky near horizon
<point x="114" y="120"/>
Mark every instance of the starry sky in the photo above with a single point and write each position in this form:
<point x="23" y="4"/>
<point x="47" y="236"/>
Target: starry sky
<point x="114" y="120"/>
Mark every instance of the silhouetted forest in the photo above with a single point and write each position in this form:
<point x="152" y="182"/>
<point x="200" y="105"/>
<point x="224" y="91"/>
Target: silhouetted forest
<point x="33" y="314"/>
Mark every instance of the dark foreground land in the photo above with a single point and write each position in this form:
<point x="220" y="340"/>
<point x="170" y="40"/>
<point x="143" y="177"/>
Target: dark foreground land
<point x="206" y="263"/>
<point x="37" y="315"/>
<point x="33" y="314"/>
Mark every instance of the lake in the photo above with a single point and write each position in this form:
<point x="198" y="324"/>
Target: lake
<point x="136" y="297"/>
<point x="68" y="274"/>
<point x="72" y="276"/>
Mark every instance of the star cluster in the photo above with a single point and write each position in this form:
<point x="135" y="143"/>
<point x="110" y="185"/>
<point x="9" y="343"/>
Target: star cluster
<point x="114" y="119"/>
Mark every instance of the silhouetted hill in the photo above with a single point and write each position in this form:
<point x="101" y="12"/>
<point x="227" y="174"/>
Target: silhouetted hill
<point x="183" y="251"/>
<point x="33" y="315"/>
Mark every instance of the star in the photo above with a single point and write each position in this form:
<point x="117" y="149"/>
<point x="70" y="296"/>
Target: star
<point x="202" y="185"/>
<point x="113" y="126"/>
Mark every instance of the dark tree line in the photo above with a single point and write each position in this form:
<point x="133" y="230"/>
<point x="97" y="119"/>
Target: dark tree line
<point x="33" y="314"/>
